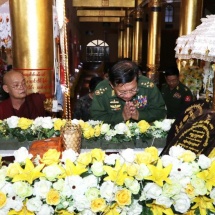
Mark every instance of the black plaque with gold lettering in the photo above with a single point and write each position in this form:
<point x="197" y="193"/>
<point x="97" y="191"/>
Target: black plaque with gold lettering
<point x="196" y="131"/>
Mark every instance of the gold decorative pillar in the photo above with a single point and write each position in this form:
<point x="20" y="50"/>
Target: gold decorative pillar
<point x="120" y="39"/>
<point x="190" y="15"/>
<point x="32" y="44"/>
<point x="190" y="18"/>
<point x="154" y="40"/>
<point x="127" y="52"/>
<point x="137" y="39"/>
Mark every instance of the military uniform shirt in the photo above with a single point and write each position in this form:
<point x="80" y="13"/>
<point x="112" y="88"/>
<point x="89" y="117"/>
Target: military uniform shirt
<point x="107" y="107"/>
<point x="177" y="99"/>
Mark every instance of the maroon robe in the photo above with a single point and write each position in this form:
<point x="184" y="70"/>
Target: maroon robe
<point x="32" y="108"/>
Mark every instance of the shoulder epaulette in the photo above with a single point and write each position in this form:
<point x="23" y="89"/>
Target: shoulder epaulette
<point x="100" y="91"/>
<point x="147" y="84"/>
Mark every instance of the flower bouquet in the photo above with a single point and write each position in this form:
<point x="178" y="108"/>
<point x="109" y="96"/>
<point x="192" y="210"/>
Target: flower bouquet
<point x="92" y="183"/>
<point x="191" y="76"/>
<point x="26" y="129"/>
<point x="125" y="131"/>
<point x="46" y="127"/>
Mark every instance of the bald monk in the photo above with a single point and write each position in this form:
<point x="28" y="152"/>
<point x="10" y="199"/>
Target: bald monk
<point x="19" y="103"/>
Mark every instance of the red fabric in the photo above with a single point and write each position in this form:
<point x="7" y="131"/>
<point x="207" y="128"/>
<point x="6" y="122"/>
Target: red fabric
<point x="32" y="108"/>
<point x="62" y="75"/>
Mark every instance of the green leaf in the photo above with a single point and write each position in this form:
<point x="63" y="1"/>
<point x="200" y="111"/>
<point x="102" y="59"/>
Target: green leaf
<point x="50" y="133"/>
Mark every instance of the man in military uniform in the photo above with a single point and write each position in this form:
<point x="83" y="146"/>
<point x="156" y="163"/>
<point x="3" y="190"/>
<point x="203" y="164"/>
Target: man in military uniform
<point x="126" y="96"/>
<point x="176" y="95"/>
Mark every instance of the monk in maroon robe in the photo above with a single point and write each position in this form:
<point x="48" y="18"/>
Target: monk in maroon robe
<point x="19" y="103"/>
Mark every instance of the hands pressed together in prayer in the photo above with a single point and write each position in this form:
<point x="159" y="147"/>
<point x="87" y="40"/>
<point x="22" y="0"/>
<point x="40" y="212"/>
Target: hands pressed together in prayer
<point x="130" y="111"/>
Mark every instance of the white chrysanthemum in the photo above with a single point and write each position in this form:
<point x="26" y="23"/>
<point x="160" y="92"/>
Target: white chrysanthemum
<point x="52" y="172"/>
<point x="167" y="160"/>
<point x="111" y="133"/>
<point x="69" y="154"/>
<point x="81" y="202"/>
<point x="143" y="171"/>
<point x="21" y="154"/>
<point x="164" y="201"/>
<point x="152" y="191"/>
<point x="170" y="190"/>
<point x="166" y="124"/>
<point x="58" y="185"/>
<point x="132" y="185"/>
<point x="176" y="151"/>
<point x="204" y="162"/>
<point x="108" y="190"/>
<point x="134" y="209"/>
<point x="195" y="167"/>
<point x="157" y="124"/>
<point x="47" y="123"/>
<point x="105" y="128"/>
<point x="94" y="122"/>
<point x="90" y="181"/>
<point x="75" y="121"/>
<point x="12" y="121"/>
<point x="8" y="189"/>
<point x="92" y="193"/>
<point x="97" y="168"/>
<point x="128" y="155"/>
<point x="22" y="189"/>
<point x="199" y="185"/>
<point x="111" y="159"/>
<point x="41" y="188"/>
<point x="181" y="203"/>
<point x="46" y="209"/>
<point x="121" y="128"/>
<point x="183" y="181"/>
<point x="86" y="212"/>
<point x="38" y="122"/>
<point x="34" y="204"/>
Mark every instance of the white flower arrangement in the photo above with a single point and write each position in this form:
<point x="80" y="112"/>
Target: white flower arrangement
<point x="126" y="183"/>
<point x="46" y="127"/>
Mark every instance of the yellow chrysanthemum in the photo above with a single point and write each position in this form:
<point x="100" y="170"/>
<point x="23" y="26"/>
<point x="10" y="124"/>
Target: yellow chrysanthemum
<point x="98" y="205"/>
<point x="97" y="130"/>
<point x="52" y="156"/>
<point x="58" y="124"/>
<point x="188" y="156"/>
<point x="98" y="154"/>
<point x="53" y="197"/>
<point x="3" y="199"/>
<point x="143" y="126"/>
<point x="85" y="158"/>
<point x="88" y="133"/>
<point x="148" y="156"/>
<point x="24" y="123"/>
